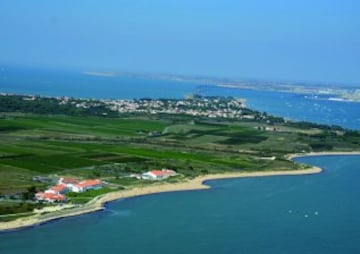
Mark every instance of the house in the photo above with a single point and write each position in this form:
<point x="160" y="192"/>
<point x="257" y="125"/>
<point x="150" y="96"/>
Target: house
<point x="158" y="174"/>
<point x="68" y="180"/>
<point x="58" y="189"/>
<point x="56" y="192"/>
<point x="50" y="197"/>
<point x="92" y="184"/>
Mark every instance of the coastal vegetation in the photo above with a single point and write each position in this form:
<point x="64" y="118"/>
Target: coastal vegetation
<point x="84" y="197"/>
<point x="41" y="141"/>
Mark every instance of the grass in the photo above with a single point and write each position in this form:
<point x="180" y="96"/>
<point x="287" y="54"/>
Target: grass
<point x="86" y="147"/>
<point x="11" y="217"/>
<point x="81" y="125"/>
<point x="83" y="197"/>
<point x="7" y="209"/>
<point x="13" y="180"/>
<point x="162" y="154"/>
<point x="50" y="163"/>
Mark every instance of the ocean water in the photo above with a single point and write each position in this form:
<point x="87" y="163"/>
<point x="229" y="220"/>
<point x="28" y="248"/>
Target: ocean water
<point x="78" y="84"/>
<point x="298" y="107"/>
<point x="279" y="214"/>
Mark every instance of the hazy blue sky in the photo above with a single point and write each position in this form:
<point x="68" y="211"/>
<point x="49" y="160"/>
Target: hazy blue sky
<point x="314" y="40"/>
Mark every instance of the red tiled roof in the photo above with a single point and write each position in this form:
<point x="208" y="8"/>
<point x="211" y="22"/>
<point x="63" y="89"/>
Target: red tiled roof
<point x="56" y="197"/>
<point x="89" y="183"/>
<point x="50" y="196"/>
<point x="58" y="188"/>
<point x="162" y="172"/>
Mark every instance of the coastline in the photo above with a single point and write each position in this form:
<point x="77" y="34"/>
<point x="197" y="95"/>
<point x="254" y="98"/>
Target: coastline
<point x="98" y="203"/>
<point x="299" y="155"/>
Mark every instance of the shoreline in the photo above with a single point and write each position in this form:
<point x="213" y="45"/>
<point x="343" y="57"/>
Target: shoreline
<point x="299" y="155"/>
<point x="98" y="203"/>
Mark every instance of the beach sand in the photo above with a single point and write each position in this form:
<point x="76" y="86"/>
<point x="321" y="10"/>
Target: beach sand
<point x="98" y="203"/>
<point x="297" y="155"/>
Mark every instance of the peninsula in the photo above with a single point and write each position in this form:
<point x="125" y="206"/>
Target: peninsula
<point x="123" y="142"/>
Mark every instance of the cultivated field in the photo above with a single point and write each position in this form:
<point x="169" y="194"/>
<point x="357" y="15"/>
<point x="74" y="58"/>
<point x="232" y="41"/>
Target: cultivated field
<point x="110" y="148"/>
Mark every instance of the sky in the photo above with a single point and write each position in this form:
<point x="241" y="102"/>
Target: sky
<point x="299" y="40"/>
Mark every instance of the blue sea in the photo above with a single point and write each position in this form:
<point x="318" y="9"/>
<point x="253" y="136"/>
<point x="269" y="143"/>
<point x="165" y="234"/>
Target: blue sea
<point x="300" y="107"/>
<point x="280" y="214"/>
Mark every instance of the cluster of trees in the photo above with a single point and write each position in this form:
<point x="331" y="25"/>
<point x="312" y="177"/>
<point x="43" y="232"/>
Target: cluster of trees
<point x="42" y="105"/>
<point x="18" y="208"/>
<point x="309" y="125"/>
<point x="30" y="193"/>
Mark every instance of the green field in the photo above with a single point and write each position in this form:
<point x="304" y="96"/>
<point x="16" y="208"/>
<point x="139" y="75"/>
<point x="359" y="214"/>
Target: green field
<point x="83" y="147"/>
<point x="87" y="196"/>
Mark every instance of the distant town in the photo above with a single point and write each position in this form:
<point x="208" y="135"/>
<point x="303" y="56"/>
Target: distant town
<point x="212" y="107"/>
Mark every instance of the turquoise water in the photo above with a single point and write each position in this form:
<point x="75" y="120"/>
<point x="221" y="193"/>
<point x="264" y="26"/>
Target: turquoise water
<point x="280" y="214"/>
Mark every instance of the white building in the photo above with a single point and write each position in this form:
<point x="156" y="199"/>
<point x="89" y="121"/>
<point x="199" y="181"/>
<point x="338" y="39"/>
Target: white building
<point x="86" y="185"/>
<point x="158" y="174"/>
<point x="58" y="189"/>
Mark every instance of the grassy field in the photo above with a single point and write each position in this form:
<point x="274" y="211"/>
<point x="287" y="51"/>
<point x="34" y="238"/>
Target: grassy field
<point x="87" y="196"/>
<point x="83" y="147"/>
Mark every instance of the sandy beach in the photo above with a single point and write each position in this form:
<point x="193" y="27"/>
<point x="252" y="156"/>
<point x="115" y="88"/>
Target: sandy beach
<point x="98" y="203"/>
<point x="297" y="155"/>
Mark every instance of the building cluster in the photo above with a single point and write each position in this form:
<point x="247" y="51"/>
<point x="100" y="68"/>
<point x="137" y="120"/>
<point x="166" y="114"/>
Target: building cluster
<point x="203" y="106"/>
<point x="57" y="192"/>
<point x="212" y="107"/>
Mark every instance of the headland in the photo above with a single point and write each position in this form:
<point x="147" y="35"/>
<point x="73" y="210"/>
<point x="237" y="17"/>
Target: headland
<point x="199" y="138"/>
